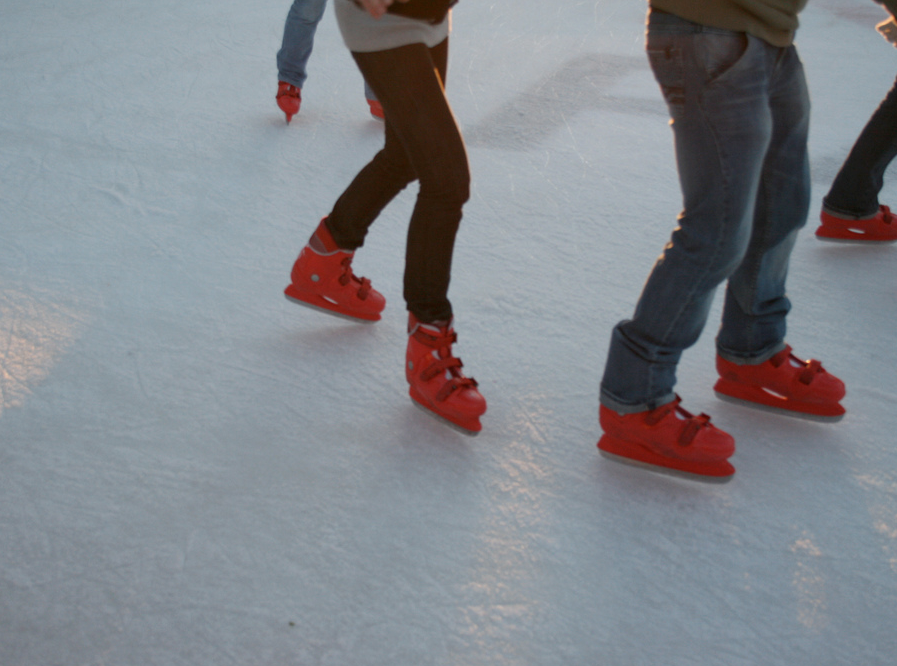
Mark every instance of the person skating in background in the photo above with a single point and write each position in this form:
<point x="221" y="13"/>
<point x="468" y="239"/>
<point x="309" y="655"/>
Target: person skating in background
<point x="402" y="52"/>
<point x="292" y="58"/>
<point x="851" y="210"/>
<point x="739" y="109"/>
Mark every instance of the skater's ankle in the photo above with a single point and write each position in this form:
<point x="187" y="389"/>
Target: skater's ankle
<point x="322" y="241"/>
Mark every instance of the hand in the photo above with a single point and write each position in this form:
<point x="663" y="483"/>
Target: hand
<point x="377" y="8"/>
<point x="888" y="30"/>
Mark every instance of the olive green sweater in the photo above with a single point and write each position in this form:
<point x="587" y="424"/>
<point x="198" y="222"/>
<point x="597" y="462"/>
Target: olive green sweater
<point x="774" y="21"/>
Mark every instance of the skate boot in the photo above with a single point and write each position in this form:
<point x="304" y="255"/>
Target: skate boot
<point x="436" y="381"/>
<point x="376" y="109"/>
<point x="882" y="228"/>
<point x="289" y="99"/>
<point x="668" y="439"/>
<point x="784" y="382"/>
<point x="322" y="278"/>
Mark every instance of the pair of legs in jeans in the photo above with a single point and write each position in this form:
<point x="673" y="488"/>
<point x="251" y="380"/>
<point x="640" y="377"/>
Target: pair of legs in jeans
<point x="423" y="143"/>
<point x="740" y="115"/>
<point x="298" y="40"/>
<point x="854" y="193"/>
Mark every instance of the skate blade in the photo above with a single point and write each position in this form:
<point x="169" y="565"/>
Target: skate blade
<point x="858" y="240"/>
<point x="322" y="305"/>
<point x="471" y="427"/>
<point x="619" y="451"/>
<point x="770" y="404"/>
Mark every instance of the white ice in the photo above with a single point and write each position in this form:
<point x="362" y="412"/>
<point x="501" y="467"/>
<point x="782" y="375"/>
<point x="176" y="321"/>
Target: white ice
<point x="194" y="471"/>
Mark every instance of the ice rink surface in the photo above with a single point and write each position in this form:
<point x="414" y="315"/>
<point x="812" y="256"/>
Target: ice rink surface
<point x="194" y="471"/>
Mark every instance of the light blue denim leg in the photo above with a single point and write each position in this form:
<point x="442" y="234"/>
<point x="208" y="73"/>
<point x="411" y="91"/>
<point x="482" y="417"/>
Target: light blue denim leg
<point x="753" y="327"/>
<point x="298" y="39"/>
<point x="716" y="86"/>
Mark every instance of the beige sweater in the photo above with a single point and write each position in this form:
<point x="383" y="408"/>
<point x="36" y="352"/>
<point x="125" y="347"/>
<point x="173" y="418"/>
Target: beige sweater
<point x="363" y="33"/>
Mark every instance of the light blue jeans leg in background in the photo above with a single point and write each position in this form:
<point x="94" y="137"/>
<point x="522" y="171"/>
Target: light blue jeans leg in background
<point x="754" y="315"/>
<point x="739" y="111"/>
<point x="298" y="40"/>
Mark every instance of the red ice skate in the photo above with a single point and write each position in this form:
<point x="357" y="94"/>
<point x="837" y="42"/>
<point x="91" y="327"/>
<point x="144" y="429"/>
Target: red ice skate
<point x="376" y="109"/>
<point x="322" y="278"/>
<point x="436" y="381"/>
<point x="289" y="99"/>
<point x="882" y="228"/>
<point x="668" y="439"/>
<point x="785" y="383"/>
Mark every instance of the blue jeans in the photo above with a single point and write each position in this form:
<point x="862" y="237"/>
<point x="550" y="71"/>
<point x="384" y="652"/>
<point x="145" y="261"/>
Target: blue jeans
<point x="298" y="40"/>
<point x="739" y="111"/>
<point x="854" y="192"/>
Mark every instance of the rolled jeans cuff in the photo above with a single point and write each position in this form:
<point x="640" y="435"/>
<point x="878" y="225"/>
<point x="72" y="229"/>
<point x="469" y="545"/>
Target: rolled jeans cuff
<point x="623" y="408"/>
<point x="845" y="214"/>
<point x="754" y="359"/>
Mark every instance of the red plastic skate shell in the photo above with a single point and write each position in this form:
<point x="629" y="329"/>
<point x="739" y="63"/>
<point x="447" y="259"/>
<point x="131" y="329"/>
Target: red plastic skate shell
<point x="634" y="454"/>
<point x="882" y="228"/>
<point x="321" y="303"/>
<point x="289" y="99"/>
<point x="323" y="279"/>
<point x="435" y="380"/>
<point x="783" y="384"/>
<point x="468" y="425"/>
<point x="670" y="440"/>
<point x="376" y="109"/>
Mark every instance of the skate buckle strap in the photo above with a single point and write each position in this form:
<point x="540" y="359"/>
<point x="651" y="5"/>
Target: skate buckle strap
<point x="692" y="426"/>
<point x="445" y="362"/>
<point x="456" y="384"/>
<point x="439" y="366"/>
<point x="690" y="429"/>
<point x="808" y="369"/>
<point x="440" y="342"/>
<point x="347" y="276"/>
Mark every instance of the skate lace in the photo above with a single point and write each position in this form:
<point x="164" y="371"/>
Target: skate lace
<point x="692" y="426"/>
<point x="347" y="276"/>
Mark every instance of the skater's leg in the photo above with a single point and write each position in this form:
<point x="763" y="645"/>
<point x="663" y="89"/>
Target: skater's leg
<point x="854" y="192"/>
<point x="409" y="83"/>
<point x="714" y="84"/>
<point x="378" y="182"/>
<point x="298" y="40"/>
<point x="753" y="323"/>
<point x="755" y="364"/>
